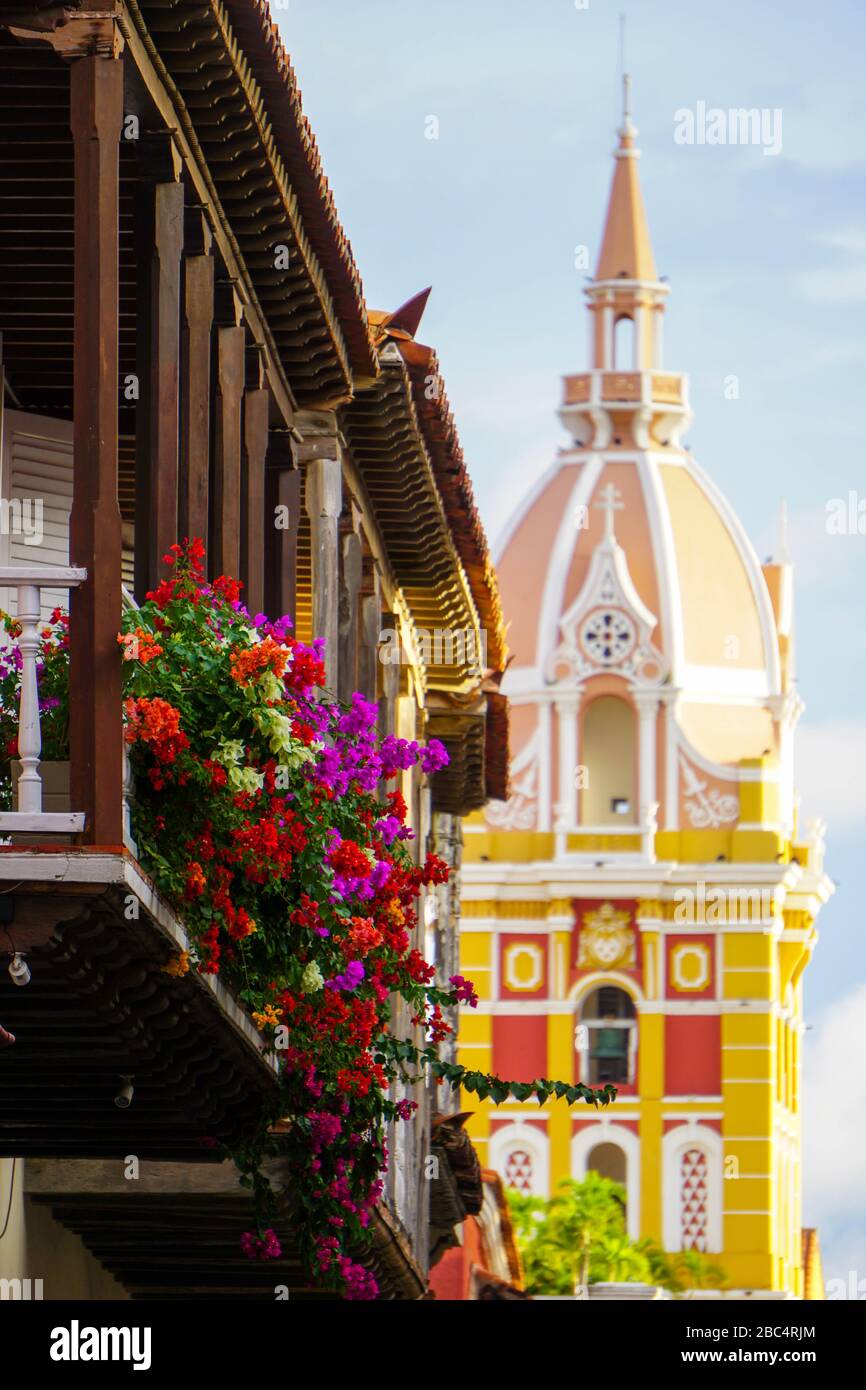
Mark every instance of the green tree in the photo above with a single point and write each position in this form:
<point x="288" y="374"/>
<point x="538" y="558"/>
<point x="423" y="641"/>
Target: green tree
<point x="579" y="1237"/>
<point x="695" y="1271"/>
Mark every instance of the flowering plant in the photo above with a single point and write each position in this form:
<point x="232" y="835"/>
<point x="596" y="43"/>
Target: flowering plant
<point x="52" y="673"/>
<point x="263" y="812"/>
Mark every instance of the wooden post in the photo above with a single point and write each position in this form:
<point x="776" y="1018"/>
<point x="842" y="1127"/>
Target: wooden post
<point x="351" y="563"/>
<point x="323" y="501"/>
<point x="370" y="632"/>
<point x="256" y="412"/>
<point x="198" y="309"/>
<point x="226" y="500"/>
<point x="282" y="520"/>
<point x="160" y="219"/>
<point x="96" y="732"/>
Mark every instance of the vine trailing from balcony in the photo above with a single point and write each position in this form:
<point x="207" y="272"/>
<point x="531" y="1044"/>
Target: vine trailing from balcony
<point x="259" y="812"/>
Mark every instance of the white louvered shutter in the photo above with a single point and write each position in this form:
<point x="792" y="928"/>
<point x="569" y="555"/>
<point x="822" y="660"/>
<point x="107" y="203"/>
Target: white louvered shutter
<point x="37" y="469"/>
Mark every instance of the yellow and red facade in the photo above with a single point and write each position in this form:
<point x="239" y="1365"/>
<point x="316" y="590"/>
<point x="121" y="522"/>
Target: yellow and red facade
<point x="643" y="907"/>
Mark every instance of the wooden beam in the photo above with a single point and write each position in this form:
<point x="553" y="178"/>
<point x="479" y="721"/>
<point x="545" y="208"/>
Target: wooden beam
<point x="256" y="411"/>
<point x="226" y="492"/>
<point x="198" y="306"/>
<point x="82" y="1176"/>
<point x="96" y="731"/>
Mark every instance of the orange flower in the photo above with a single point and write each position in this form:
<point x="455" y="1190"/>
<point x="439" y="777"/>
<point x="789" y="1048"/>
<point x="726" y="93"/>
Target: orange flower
<point x="395" y="914"/>
<point x="156" y="723"/>
<point x="362" y="938"/>
<point x="269" y="1018"/>
<point x="178" y="966"/>
<point x="139" y="646"/>
<point x="248" y="665"/>
<point x="195" y="880"/>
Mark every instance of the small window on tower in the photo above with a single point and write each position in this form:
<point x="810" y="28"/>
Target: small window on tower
<point x="624" y="344"/>
<point x="620" y="805"/>
<point x="609" y="1049"/>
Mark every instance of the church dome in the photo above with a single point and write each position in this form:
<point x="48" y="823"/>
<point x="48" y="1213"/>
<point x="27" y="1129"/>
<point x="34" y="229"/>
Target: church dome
<point x="627" y="576"/>
<point x="690" y="564"/>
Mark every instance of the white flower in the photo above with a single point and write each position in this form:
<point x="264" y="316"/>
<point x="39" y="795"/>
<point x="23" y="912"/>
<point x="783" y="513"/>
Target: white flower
<point x="229" y="751"/>
<point x="312" y="978"/>
<point x="276" y="728"/>
<point x="246" y="779"/>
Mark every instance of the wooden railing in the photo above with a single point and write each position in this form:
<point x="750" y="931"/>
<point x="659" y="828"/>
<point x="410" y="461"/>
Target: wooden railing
<point x="30" y="817"/>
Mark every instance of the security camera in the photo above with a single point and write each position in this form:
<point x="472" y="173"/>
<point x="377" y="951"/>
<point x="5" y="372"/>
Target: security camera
<point x="19" y="970"/>
<point x="123" y="1099"/>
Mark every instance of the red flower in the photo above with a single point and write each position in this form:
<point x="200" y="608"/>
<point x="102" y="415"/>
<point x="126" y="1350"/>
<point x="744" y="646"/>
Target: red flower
<point x="350" y="860"/>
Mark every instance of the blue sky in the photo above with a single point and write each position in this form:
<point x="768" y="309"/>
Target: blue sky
<point x="766" y="256"/>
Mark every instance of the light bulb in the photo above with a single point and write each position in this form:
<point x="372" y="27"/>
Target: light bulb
<point x="19" y="970"/>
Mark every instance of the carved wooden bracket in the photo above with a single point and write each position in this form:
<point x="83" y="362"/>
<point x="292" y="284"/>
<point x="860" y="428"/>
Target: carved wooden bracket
<point x="72" y="33"/>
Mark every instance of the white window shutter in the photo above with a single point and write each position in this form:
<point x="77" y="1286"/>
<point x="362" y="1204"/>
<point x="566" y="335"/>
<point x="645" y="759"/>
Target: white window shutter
<point x="37" y="474"/>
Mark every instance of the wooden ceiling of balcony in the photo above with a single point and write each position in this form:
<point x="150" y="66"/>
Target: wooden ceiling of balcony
<point x="36" y="232"/>
<point x="234" y="99"/>
<point x="238" y="91"/>
<point x="175" y="1231"/>
<point x="99" y="1007"/>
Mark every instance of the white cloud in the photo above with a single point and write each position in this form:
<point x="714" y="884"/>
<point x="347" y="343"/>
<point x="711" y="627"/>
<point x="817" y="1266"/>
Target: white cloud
<point x="833" y="286"/>
<point x="840" y="283"/>
<point x="834" y="1116"/>
<point x="831" y="771"/>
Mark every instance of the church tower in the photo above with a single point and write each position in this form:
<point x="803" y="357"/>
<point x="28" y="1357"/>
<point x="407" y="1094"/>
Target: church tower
<point x="642" y="909"/>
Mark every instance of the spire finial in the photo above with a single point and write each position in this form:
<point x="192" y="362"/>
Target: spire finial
<point x="626" y="79"/>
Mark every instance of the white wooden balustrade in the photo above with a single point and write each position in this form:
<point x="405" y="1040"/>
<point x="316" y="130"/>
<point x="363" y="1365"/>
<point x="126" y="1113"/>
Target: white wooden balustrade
<point x="29" y="582"/>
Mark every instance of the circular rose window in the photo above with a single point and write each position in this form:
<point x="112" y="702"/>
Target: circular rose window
<point x="607" y="636"/>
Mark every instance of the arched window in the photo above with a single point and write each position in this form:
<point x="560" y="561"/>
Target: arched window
<point x="614" y="1151"/>
<point x="624" y="344"/>
<point x="609" y="1036"/>
<point x="608" y="1160"/>
<point x="610" y="758"/>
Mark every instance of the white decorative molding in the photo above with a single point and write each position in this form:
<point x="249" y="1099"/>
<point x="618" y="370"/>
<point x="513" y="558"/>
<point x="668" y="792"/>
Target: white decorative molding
<point x="675" y="1143"/>
<point x="513" y="954"/>
<point x="520" y="1136"/>
<point x="520" y="811"/>
<point x="706" y="807"/>
<point x="683" y="980"/>
<point x="610" y="601"/>
<point x="560" y="557"/>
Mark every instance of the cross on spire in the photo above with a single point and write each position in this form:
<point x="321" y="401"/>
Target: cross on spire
<point x="626" y="79"/>
<point x="610" y="501"/>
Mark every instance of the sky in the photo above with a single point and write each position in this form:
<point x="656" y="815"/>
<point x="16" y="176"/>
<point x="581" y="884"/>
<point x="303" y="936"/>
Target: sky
<point x="766" y="255"/>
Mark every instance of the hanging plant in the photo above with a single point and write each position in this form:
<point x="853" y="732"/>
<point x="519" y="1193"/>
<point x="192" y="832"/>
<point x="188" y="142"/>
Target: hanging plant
<point x="262" y="812"/>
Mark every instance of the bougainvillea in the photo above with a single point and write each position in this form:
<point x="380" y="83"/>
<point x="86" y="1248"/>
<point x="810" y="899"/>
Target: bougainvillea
<point x="263" y="812"/>
<point x="52" y="669"/>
